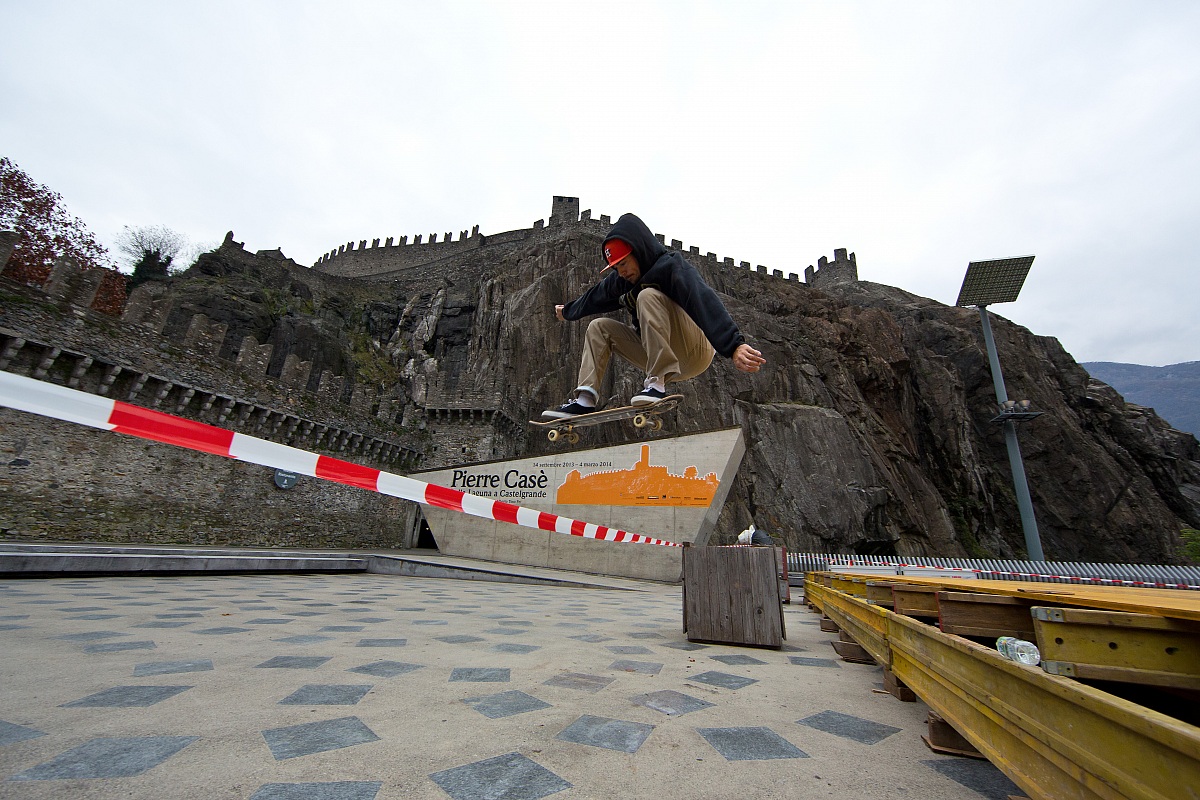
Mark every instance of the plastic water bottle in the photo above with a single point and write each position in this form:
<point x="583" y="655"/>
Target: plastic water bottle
<point x="1019" y="650"/>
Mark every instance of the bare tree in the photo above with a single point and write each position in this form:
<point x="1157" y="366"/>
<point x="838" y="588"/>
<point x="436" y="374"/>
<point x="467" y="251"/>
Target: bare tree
<point x="151" y="251"/>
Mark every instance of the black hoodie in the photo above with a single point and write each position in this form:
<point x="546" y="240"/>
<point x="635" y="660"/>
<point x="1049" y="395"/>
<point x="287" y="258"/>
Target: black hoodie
<point x="667" y="271"/>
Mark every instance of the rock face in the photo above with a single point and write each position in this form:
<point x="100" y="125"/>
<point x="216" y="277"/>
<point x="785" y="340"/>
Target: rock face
<point x="867" y="431"/>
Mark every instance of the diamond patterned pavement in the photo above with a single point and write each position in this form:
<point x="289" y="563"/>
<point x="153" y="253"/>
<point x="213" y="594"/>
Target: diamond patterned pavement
<point x="374" y="687"/>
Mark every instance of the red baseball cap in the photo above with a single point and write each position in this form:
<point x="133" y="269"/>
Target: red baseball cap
<point x="614" y="251"/>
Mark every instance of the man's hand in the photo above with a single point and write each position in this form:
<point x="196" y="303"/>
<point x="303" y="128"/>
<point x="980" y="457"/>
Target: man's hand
<point x="558" y="309"/>
<point x="747" y="359"/>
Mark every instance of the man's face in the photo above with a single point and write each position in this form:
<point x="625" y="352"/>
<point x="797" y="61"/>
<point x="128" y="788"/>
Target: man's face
<point x="628" y="268"/>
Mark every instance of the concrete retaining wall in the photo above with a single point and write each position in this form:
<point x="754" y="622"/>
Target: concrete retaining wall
<point x="537" y="482"/>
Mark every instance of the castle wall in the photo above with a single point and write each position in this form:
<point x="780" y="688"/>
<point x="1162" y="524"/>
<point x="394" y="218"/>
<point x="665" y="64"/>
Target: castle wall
<point x="66" y="482"/>
<point x="842" y="270"/>
<point x="399" y="256"/>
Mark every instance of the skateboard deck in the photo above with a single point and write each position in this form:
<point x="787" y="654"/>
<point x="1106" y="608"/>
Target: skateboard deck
<point x="642" y="416"/>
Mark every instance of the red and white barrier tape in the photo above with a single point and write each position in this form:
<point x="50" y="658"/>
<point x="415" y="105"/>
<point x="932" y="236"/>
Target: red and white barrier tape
<point x="70" y="405"/>
<point x="977" y="571"/>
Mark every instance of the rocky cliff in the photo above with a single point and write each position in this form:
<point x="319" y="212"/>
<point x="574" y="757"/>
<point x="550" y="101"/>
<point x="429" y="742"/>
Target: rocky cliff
<point x="868" y="430"/>
<point x="1172" y="391"/>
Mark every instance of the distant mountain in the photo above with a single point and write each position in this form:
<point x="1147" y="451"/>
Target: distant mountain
<point x="1172" y="391"/>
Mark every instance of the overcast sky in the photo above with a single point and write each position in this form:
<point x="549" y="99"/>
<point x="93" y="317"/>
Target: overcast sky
<point x="918" y="135"/>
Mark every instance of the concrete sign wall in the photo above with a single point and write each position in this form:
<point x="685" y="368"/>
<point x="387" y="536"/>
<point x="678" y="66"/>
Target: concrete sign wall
<point x="672" y="488"/>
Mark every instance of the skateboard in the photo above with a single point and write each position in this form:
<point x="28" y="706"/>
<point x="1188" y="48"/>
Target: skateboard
<point x="642" y="416"/>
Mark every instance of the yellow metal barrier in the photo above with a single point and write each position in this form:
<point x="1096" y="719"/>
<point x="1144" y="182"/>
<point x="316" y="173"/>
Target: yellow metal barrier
<point x="1056" y="738"/>
<point x="865" y="623"/>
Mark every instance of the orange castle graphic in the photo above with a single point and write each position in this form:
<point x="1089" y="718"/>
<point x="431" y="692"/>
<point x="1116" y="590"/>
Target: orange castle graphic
<point x="642" y="485"/>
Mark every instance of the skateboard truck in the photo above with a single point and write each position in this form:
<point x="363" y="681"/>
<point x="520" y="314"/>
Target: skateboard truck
<point x="647" y="417"/>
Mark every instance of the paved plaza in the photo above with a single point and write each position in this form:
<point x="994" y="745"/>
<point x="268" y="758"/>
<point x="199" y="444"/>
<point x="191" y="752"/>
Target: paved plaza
<point x="379" y="687"/>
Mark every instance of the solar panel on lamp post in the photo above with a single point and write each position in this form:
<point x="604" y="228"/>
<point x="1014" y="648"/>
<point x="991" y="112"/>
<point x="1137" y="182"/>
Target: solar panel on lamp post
<point x="985" y="283"/>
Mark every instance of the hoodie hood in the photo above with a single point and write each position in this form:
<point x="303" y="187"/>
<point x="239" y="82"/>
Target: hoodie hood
<point x="632" y="231"/>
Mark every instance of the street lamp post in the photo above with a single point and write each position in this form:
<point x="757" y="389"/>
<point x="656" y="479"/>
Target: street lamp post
<point x="1000" y="281"/>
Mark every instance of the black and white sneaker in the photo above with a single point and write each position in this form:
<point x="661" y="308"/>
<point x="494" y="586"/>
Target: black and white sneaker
<point x="648" y="397"/>
<point x="569" y="409"/>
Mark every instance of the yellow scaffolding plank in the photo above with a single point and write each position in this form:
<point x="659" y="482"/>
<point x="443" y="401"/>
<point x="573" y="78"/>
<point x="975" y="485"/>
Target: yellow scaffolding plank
<point x="864" y="622"/>
<point x="1176" y="603"/>
<point x="1054" y="737"/>
<point x="1119" y="646"/>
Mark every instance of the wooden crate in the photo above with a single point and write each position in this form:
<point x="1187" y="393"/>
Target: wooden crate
<point x="731" y="595"/>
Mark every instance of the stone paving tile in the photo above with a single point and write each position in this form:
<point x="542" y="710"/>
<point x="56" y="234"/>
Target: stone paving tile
<point x="977" y="775"/>
<point x="222" y="631"/>
<point x="628" y="650"/>
<point x="11" y="733"/>
<point x="611" y="734"/>
<point x="802" y="661"/>
<point x="646" y="667"/>
<point x="738" y="659"/>
<point x="117" y="647"/>
<point x="510" y="647"/>
<point x="671" y="703"/>
<point x="172" y="667"/>
<point x="480" y="674"/>
<point x="305" y="639"/>
<point x="724" y="680"/>
<point x="511" y="776"/>
<point x="91" y="636"/>
<point x="293" y="741"/>
<point x="689" y="646"/>
<point x="337" y="790"/>
<point x="294" y="662"/>
<point x="593" y="638"/>
<point x="460" y="639"/>
<point x="109" y="757"/>
<point x="127" y="697"/>
<point x="325" y="694"/>
<point x="505" y="704"/>
<point x="381" y="643"/>
<point x="750" y="744"/>
<point x="386" y="669"/>
<point x="576" y="680"/>
<point x="849" y="727"/>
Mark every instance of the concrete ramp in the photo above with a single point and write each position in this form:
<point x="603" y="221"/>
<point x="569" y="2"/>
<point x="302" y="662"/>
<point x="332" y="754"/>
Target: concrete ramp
<point x="671" y="488"/>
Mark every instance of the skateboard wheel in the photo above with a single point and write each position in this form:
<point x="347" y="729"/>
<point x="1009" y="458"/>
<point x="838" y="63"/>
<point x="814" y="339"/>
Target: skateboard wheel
<point x="552" y="435"/>
<point x="573" y="438"/>
<point x="639" y="421"/>
<point x="656" y="425"/>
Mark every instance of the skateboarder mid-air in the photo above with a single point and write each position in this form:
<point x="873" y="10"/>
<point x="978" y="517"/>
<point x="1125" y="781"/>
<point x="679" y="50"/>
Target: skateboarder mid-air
<point x="678" y="321"/>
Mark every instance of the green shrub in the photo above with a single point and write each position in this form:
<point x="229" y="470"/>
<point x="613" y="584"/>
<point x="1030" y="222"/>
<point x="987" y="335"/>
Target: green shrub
<point x="1191" y="544"/>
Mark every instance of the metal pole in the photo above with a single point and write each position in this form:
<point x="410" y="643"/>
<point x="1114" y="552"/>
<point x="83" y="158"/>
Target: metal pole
<point x="1033" y="542"/>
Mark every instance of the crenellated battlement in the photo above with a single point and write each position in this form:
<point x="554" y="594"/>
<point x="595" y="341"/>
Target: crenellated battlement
<point x="399" y="254"/>
<point x="843" y="269"/>
<point x="96" y="288"/>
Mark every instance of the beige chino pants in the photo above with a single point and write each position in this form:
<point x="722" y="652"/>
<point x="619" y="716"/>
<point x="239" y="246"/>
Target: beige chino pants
<point x="671" y="346"/>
